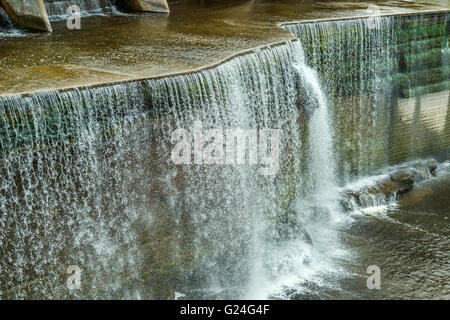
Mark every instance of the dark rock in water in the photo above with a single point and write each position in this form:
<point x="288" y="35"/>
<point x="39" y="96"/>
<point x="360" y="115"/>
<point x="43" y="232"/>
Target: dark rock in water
<point x="404" y="180"/>
<point x="383" y="189"/>
<point x="146" y="5"/>
<point x="399" y="182"/>
<point x="432" y="166"/>
<point x="386" y="187"/>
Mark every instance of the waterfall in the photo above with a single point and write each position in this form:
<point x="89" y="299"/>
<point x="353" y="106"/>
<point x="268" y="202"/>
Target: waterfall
<point x="67" y="192"/>
<point x="354" y="60"/>
<point x="57" y="9"/>
<point x="375" y="75"/>
<point x="87" y="180"/>
<point x="320" y="135"/>
<point x="322" y="182"/>
<point x="88" y="177"/>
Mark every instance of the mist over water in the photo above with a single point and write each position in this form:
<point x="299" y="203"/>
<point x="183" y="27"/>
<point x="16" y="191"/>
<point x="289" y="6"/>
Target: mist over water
<point x="5" y="21"/>
<point x="7" y="27"/>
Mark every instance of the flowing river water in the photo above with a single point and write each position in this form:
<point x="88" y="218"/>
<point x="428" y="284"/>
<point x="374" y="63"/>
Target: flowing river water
<point x="88" y="179"/>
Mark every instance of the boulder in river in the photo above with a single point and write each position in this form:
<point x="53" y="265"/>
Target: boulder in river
<point x="146" y="5"/>
<point x="27" y="14"/>
<point x="383" y="189"/>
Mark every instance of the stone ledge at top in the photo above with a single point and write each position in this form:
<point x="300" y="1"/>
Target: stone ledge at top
<point x="27" y="14"/>
<point x="146" y="5"/>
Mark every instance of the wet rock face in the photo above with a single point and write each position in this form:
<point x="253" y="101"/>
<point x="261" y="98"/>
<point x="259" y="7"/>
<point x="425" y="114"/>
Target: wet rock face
<point x="145" y="5"/>
<point x="404" y="179"/>
<point x="5" y="22"/>
<point x="28" y="14"/>
<point x="386" y="186"/>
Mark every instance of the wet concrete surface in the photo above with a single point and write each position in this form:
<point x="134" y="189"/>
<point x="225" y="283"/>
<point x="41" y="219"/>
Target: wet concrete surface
<point x="195" y="35"/>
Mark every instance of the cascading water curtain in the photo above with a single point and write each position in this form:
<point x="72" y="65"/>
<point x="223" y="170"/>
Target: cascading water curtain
<point x="57" y="9"/>
<point x="87" y="180"/>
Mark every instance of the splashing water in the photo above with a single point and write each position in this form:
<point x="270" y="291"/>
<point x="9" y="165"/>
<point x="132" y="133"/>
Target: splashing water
<point x="57" y="9"/>
<point x="374" y="77"/>
<point x="7" y="27"/>
<point x="312" y="246"/>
